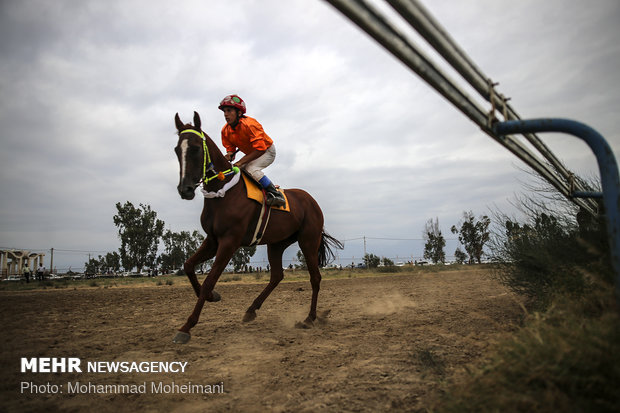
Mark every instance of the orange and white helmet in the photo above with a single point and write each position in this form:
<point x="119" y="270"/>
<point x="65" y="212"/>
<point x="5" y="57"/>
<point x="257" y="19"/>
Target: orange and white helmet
<point x="233" y="101"/>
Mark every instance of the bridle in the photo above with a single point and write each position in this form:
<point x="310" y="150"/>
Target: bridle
<point x="207" y="164"/>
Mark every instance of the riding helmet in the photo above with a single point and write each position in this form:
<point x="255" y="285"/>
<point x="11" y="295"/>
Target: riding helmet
<point x="234" y="101"/>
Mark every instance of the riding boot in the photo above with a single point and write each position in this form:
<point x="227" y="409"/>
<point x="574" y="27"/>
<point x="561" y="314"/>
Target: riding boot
<point x="274" y="197"/>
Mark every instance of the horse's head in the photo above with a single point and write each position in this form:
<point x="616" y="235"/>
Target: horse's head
<point x="190" y="152"/>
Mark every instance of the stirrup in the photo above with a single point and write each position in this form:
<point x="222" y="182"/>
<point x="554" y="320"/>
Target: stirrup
<point x="275" y="200"/>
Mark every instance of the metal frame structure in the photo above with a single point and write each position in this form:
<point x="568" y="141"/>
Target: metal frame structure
<point x="608" y="169"/>
<point x="384" y="30"/>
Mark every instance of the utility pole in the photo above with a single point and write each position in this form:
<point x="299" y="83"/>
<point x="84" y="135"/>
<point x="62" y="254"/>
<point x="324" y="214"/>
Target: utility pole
<point x="52" y="260"/>
<point x="364" y="246"/>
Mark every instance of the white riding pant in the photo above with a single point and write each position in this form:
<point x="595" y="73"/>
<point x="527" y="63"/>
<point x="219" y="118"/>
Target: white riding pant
<point x="255" y="168"/>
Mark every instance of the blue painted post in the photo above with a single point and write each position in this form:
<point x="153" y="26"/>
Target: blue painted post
<point x="586" y="194"/>
<point x="608" y="169"/>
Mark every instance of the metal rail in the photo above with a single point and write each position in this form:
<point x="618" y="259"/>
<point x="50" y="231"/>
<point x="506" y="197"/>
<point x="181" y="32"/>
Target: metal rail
<point x="379" y="27"/>
<point x="608" y="169"/>
<point x="426" y="25"/>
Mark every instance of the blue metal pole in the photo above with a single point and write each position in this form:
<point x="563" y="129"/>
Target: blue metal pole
<point x="586" y="194"/>
<point x="608" y="169"/>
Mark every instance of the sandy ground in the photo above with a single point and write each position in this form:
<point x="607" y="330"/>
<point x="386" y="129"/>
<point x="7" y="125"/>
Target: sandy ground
<point x="387" y="344"/>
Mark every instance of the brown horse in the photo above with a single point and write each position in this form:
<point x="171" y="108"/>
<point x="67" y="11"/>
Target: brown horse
<point x="231" y="218"/>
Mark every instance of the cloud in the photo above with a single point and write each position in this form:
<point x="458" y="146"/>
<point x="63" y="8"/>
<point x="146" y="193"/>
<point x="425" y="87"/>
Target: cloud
<point x="89" y="91"/>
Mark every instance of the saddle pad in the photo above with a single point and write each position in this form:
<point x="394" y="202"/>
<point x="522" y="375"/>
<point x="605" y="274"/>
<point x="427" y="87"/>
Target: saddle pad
<point x="256" y="193"/>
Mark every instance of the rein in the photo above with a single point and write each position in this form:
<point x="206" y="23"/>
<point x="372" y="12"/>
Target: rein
<point x="207" y="164"/>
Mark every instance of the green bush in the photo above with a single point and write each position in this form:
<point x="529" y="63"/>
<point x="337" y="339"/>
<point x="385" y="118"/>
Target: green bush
<point x="549" y="256"/>
<point x="566" y="357"/>
<point x="388" y="269"/>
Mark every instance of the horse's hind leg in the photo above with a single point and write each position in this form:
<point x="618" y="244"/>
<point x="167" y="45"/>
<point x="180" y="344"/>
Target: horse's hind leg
<point x="310" y="250"/>
<point x="315" y="282"/>
<point x="274" y="252"/>
<point x="206" y="251"/>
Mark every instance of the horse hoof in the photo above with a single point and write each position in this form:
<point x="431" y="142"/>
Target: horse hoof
<point x="307" y="324"/>
<point x="215" y="297"/>
<point x="249" y="316"/>
<point x="181" y="338"/>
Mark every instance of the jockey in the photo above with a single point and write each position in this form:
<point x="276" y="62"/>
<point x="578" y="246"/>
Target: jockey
<point x="247" y="134"/>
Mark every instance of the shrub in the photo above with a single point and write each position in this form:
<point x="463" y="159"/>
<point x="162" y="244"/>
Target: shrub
<point x="549" y="256"/>
<point x="388" y="269"/>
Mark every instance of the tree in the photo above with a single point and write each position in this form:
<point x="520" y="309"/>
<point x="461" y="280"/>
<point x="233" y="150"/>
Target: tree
<point x="460" y="256"/>
<point x="178" y="247"/>
<point x="242" y="257"/>
<point x="139" y="231"/>
<point x="111" y="262"/>
<point x="93" y="266"/>
<point x="473" y="235"/>
<point x="371" y="261"/>
<point x="302" y="260"/>
<point x="387" y="262"/>
<point x="435" y="242"/>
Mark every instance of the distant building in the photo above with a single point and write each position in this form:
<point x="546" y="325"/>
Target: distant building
<point x="12" y="261"/>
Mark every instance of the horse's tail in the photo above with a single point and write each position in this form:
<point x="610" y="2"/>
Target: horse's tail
<point x="325" y="249"/>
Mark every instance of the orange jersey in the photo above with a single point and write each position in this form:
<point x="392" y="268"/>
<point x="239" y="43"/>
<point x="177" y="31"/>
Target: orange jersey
<point x="248" y="136"/>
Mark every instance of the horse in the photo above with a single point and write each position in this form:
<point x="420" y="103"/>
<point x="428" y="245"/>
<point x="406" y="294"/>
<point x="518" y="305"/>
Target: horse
<point x="229" y="219"/>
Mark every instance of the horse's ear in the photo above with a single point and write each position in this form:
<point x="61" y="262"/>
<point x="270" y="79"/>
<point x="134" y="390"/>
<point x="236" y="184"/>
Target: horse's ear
<point x="177" y="121"/>
<point x="197" y="122"/>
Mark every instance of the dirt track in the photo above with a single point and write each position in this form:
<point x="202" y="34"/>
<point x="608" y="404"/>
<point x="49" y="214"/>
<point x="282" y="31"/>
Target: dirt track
<point x="387" y="343"/>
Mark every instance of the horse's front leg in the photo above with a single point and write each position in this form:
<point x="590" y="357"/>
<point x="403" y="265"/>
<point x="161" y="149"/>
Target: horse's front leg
<point x="225" y="251"/>
<point x="274" y="252"/>
<point x="206" y="251"/>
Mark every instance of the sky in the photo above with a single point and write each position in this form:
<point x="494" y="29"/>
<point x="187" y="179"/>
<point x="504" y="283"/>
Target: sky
<point x="89" y="90"/>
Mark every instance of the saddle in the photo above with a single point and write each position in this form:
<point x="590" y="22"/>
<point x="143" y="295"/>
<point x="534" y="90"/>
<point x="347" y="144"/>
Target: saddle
<point x="256" y="193"/>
